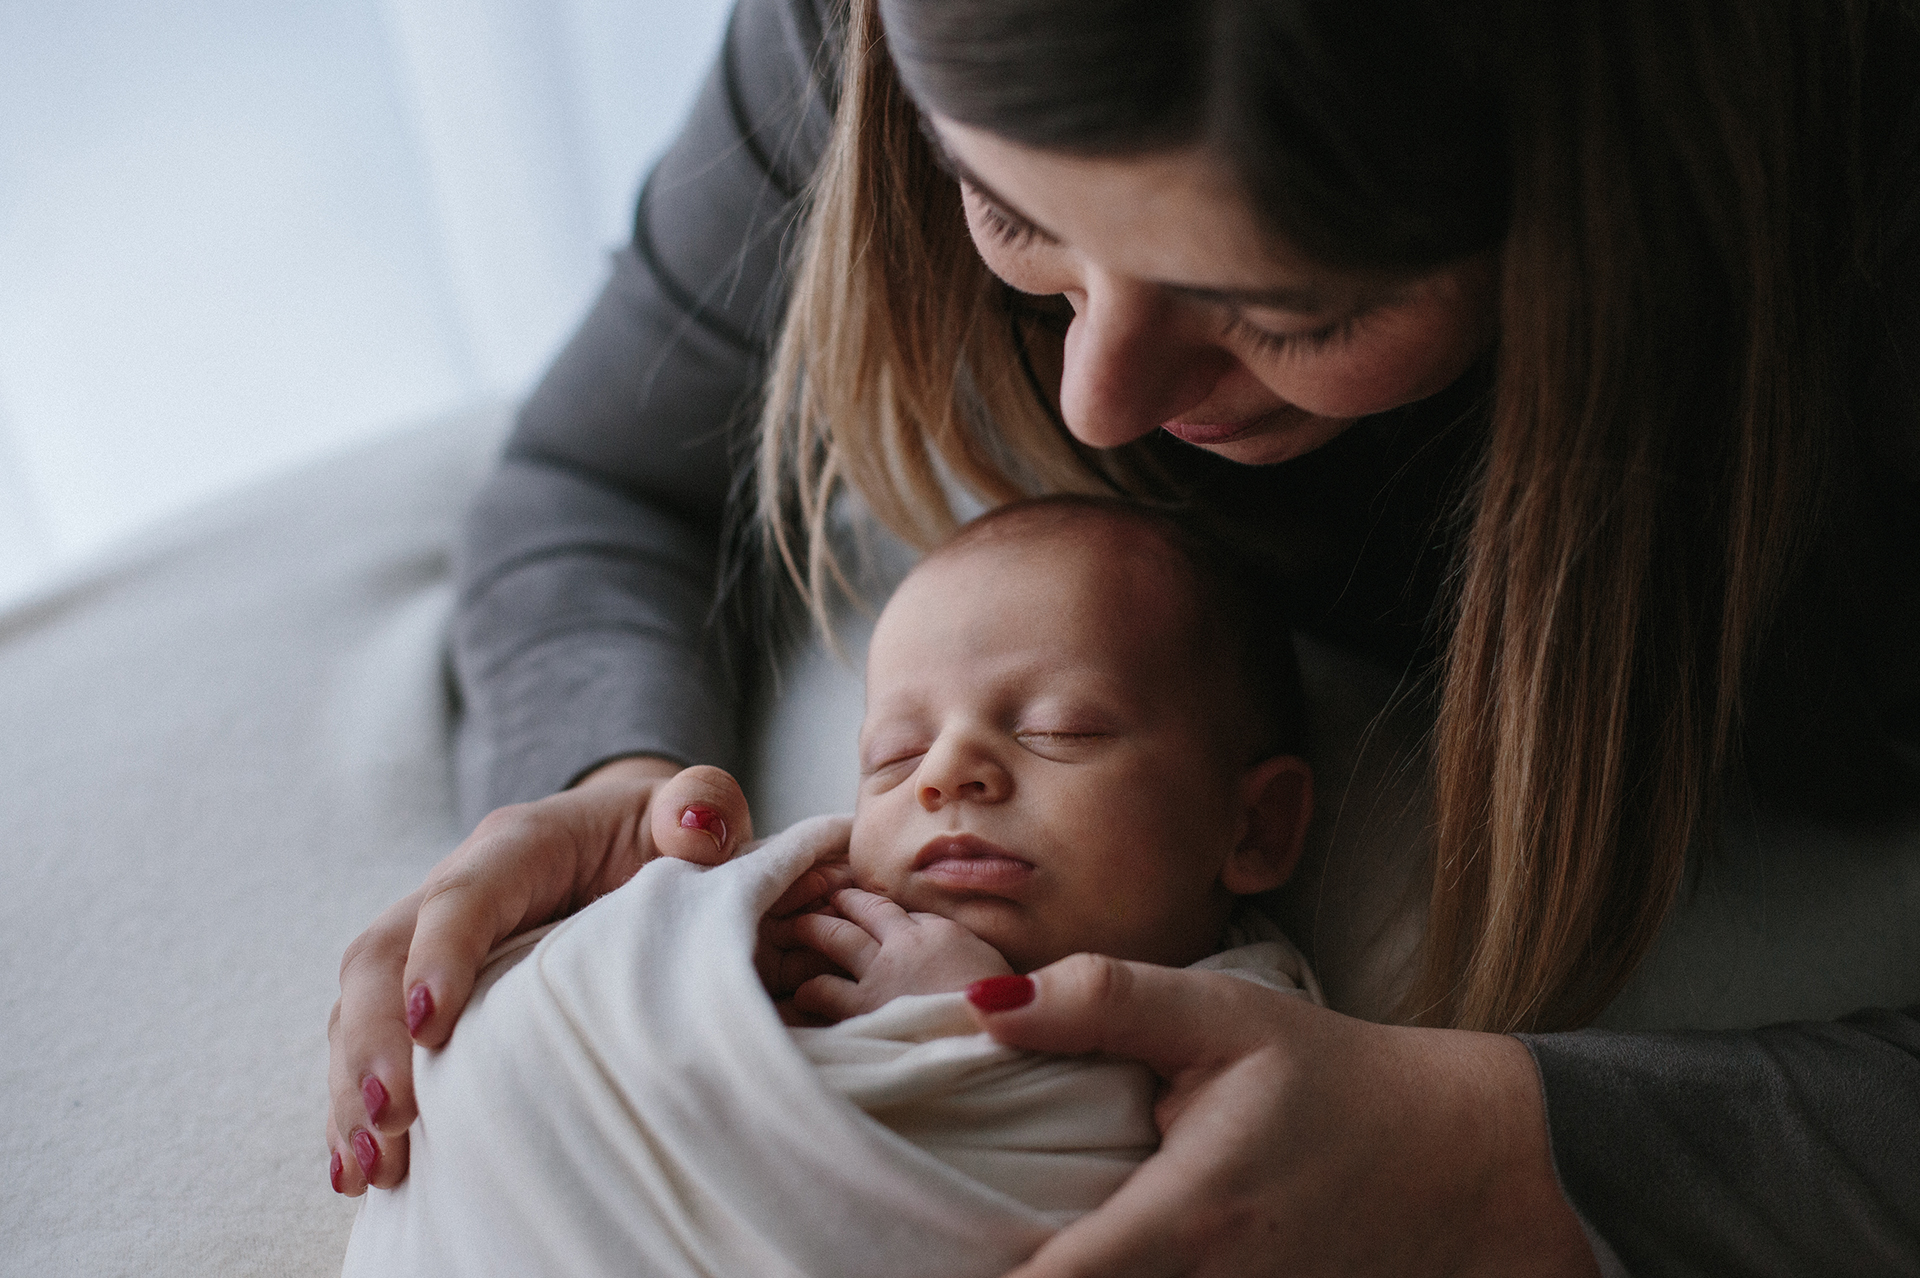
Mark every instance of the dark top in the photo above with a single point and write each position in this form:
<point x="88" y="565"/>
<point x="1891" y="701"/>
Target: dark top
<point x="588" y="583"/>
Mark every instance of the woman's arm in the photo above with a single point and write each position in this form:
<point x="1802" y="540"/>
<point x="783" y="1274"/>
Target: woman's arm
<point x="588" y="572"/>
<point x="582" y="641"/>
<point x="1793" y="1149"/>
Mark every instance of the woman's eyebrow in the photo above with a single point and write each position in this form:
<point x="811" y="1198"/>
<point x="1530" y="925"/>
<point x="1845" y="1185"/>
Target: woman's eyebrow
<point x="957" y="170"/>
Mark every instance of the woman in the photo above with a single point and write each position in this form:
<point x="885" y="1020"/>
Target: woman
<point x="1560" y="347"/>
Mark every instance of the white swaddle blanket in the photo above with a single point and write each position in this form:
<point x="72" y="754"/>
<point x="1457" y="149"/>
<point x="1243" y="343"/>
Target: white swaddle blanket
<point x="626" y="1100"/>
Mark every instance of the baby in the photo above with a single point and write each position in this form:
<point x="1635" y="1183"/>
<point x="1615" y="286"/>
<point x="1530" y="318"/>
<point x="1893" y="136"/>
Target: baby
<point x="1080" y="735"/>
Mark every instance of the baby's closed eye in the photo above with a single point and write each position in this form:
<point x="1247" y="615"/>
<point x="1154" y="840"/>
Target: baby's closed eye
<point x="889" y="764"/>
<point x="1061" y="743"/>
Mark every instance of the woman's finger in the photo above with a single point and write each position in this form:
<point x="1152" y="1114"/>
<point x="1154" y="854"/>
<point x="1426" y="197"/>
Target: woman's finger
<point x="845" y="942"/>
<point x="700" y="815"/>
<point x="342" y="1172"/>
<point x="370" y="1052"/>
<point x="1169" y="1018"/>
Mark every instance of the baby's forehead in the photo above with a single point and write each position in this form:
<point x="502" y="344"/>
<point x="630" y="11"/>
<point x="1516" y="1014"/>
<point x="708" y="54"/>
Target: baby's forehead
<point x="1101" y="593"/>
<point x="1094" y="540"/>
<point x="1106" y="567"/>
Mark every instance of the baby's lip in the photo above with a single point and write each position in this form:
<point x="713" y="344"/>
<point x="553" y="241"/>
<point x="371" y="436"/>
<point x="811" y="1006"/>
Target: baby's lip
<point x="961" y="847"/>
<point x="966" y="863"/>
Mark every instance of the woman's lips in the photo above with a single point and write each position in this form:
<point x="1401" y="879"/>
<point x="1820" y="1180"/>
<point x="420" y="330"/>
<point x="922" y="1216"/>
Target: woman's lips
<point x="963" y="863"/>
<point x="1213" y="434"/>
<point x="1205" y="433"/>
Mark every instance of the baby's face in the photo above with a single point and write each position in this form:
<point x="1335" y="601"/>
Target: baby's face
<point x="1042" y="761"/>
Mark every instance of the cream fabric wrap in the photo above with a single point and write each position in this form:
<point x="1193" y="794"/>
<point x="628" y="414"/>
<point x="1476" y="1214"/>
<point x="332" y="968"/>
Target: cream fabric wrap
<point x="620" y="1097"/>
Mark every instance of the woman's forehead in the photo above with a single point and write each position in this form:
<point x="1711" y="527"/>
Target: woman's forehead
<point x="1178" y="219"/>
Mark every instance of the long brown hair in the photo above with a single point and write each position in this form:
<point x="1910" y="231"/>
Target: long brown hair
<point x="1677" y="190"/>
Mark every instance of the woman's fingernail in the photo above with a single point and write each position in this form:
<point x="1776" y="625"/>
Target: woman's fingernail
<point x="1001" y="993"/>
<point x="366" y="1153"/>
<point x="698" y="816"/>
<point x="334" y="1168"/>
<point x="419" y="1007"/>
<point x="374" y="1093"/>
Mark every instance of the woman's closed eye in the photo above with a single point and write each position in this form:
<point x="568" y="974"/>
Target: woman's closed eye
<point x="1009" y="231"/>
<point x="1309" y="342"/>
<point x="1004" y="225"/>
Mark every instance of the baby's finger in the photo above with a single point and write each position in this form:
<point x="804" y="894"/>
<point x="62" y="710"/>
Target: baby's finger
<point x="879" y="916"/>
<point x="816" y="885"/>
<point x="830" y="997"/>
<point x="782" y="971"/>
<point x="847" y="944"/>
<point x="699" y="815"/>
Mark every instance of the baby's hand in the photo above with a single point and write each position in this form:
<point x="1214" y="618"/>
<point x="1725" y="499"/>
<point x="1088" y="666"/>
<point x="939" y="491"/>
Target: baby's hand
<point x="889" y="952"/>
<point x="784" y="961"/>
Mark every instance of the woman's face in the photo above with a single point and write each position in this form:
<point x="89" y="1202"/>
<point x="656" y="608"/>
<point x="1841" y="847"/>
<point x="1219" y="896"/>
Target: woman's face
<point x="1188" y="317"/>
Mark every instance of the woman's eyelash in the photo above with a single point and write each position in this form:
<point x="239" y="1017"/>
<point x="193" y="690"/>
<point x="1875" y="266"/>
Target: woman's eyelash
<point x="1337" y="333"/>
<point x="1011" y="232"/>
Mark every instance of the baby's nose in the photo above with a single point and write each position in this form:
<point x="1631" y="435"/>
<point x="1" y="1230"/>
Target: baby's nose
<point x="959" y="773"/>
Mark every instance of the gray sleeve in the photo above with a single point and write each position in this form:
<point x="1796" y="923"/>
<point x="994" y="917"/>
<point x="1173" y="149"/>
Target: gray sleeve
<point x="1789" y="1150"/>
<point x="584" y="627"/>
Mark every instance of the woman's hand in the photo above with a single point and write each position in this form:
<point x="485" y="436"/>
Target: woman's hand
<point x="1297" y="1140"/>
<point x="404" y="980"/>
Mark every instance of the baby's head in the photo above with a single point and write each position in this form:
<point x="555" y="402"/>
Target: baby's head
<point x="1080" y="735"/>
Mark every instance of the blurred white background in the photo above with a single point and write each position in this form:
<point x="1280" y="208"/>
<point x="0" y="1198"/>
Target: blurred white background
<point x="238" y="233"/>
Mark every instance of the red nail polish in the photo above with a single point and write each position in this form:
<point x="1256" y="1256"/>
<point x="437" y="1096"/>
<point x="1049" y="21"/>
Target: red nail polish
<point x="366" y="1153"/>
<point x="374" y="1093"/>
<point x="1001" y="993"/>
<point x="419" y="1007"/>
<point x="334" y="1168"/>
<point x="698" y="816"/>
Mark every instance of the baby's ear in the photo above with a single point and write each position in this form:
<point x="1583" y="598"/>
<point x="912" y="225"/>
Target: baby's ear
<point x="1276" y="800"/>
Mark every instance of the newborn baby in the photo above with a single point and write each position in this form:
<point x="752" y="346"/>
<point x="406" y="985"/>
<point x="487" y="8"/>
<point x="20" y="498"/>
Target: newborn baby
<point x="1080" y="734"/>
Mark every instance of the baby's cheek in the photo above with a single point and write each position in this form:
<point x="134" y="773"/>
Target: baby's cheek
<point x="866" y="847"/>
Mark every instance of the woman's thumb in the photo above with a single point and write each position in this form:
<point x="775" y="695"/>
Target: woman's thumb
<point x="699" y="814"/>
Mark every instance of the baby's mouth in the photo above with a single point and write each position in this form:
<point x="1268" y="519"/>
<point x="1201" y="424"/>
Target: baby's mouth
<point x="964" y="863"/>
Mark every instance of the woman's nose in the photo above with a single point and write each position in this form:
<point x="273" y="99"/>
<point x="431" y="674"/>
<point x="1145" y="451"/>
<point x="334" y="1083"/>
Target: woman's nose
<point x="956" y="771"/>
<point x="1134" y="360"/>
